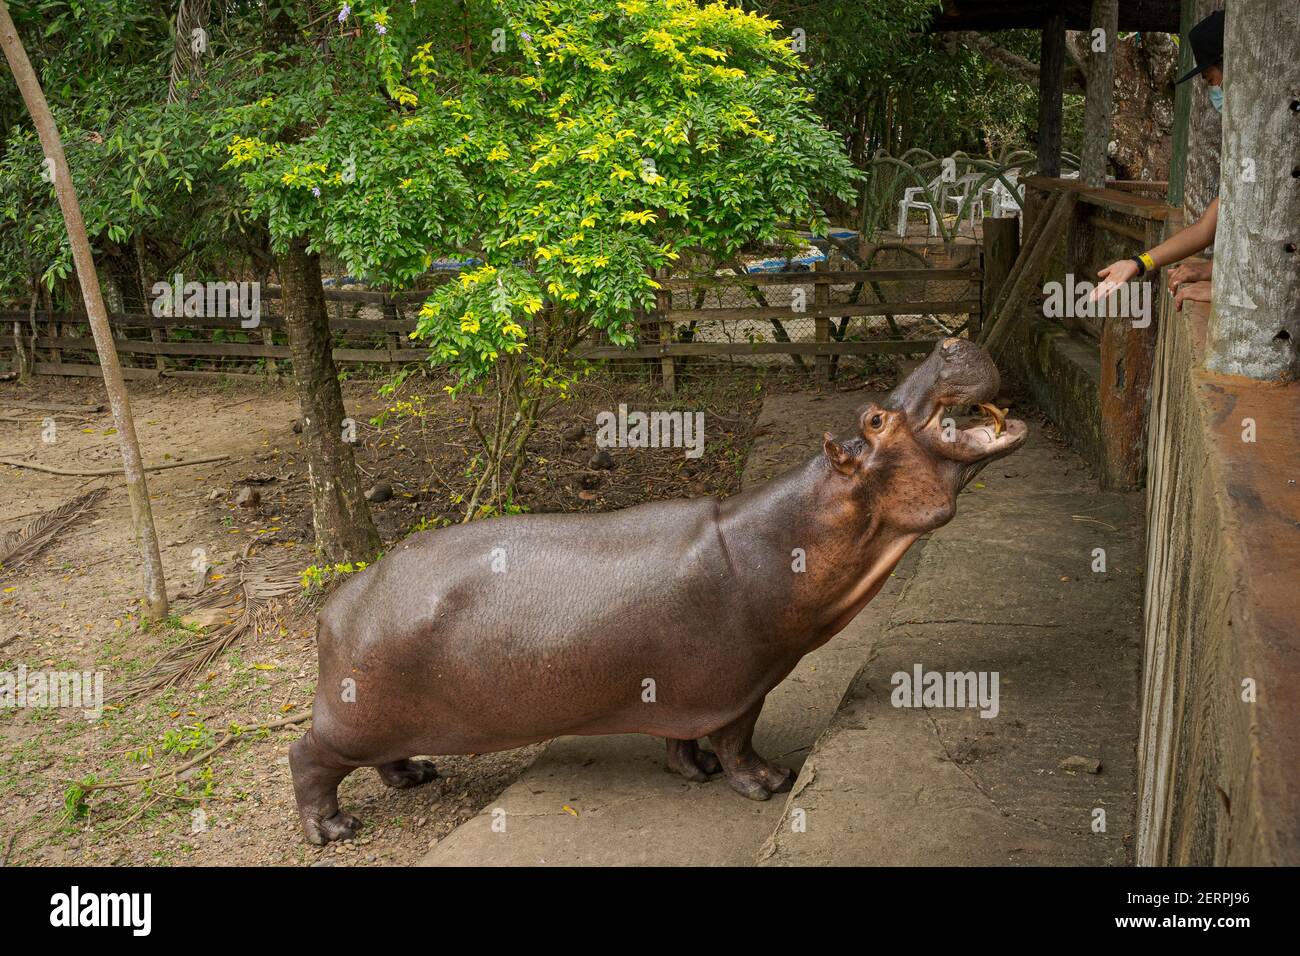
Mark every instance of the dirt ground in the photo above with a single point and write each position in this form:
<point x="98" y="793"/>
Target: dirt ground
<point x="73" y="608"/>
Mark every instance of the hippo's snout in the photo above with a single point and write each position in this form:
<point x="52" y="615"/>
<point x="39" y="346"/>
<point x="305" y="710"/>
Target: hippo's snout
<point x="957" y="372"/>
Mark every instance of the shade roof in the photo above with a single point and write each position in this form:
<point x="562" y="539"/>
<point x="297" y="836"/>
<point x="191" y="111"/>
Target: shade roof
<point x="1142" y="15"/>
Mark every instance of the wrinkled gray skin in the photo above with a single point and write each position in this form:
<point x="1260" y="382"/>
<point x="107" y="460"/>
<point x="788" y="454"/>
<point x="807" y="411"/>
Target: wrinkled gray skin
<point x="672" y="618"/>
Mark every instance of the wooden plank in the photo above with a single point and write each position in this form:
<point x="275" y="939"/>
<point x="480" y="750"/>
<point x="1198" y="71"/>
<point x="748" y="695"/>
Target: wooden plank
<point x="233" y="350"/>
<point x="952" y="307"/>
<point x="1118" y="228"/>
<point x="891" y="346"/>
<point x="133" y="320"/>
<point x="1116" y="200"/>
<point x="92" y="371"/>
<point x="841" y="277"/>
<point x="360" y="296"/>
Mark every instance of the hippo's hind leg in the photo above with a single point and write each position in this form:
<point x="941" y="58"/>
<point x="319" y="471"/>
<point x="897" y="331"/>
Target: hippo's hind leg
<point x="316" y="777"/>
<point x="407" y="773"/>
<point x="747" y="772"/>
<point x="691" y="761"/>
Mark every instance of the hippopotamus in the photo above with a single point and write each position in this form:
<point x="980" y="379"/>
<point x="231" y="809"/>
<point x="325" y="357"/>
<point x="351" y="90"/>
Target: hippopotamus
<point x="671" y="618"/>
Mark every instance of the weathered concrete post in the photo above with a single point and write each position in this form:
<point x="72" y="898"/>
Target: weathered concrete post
<point x="1201" y="180"/>
<point x="1102" y="40"/>
<point x="1256" y="318"/>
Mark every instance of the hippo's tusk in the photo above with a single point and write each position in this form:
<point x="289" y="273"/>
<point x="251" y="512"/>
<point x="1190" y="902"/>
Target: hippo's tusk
<point x="999" y="416"/>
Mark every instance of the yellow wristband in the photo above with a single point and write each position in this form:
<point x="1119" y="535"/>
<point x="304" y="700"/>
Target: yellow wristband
<point x="1147" y="261"/>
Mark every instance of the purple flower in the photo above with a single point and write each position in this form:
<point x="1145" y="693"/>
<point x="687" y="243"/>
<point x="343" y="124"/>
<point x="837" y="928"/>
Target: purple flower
<point x="315" y="191"/>
<point x="380" y="29"/>
<point x="343" y="14"/>
<point x="528" y="37"/>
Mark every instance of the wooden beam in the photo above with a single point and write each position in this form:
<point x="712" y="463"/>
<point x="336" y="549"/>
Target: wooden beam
<point x="890" y="346"/>
<point x="943" y="307"/>
<point x="1051" y="87"/>
<point x="838" y="277"/>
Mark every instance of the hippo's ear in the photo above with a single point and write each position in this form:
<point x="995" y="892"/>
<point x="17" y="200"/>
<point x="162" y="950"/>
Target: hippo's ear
<point x="837" y="455"/>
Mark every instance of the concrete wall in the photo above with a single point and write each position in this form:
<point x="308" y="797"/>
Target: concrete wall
<point x="1219" y="777"/>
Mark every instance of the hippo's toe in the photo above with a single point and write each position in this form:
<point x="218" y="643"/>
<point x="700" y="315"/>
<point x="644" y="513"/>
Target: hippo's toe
<point x="341" y="826"/>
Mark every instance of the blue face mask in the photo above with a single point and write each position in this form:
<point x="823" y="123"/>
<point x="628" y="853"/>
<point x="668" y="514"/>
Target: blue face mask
<point x="1216" y="97"/>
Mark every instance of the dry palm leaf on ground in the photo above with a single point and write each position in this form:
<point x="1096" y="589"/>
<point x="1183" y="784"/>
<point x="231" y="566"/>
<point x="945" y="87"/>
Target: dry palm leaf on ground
<point x="19" y="547"/>
<point x="267" y="586"/>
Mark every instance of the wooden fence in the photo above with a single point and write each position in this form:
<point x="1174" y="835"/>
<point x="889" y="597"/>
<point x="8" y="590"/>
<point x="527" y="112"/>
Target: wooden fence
<point x="666" y="335"/>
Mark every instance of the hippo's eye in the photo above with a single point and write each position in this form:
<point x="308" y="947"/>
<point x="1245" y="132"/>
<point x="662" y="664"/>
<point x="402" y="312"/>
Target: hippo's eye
<point x="876" y="421"/>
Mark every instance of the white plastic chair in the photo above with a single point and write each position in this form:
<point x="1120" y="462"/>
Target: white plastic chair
<point x="1003" y="201"/>
<point x="961" y="190"/>
<point x="909" y="201"/>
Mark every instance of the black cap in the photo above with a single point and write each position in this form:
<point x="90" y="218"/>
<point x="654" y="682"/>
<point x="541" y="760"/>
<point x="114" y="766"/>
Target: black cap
<point x="1206" y="39"/>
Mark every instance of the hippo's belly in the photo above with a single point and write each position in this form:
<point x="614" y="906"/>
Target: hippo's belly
<point x="495" y="637"/>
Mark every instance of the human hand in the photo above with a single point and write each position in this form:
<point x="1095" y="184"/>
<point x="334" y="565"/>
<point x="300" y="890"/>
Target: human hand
<point x="1113" y="276"/>
<point x="1193" y="292"/>
<point x="1189" y="272"/>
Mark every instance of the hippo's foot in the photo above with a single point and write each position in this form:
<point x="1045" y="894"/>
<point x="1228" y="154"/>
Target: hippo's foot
<point x="316" y="776"/>
<point x="341" y="826"/>
<point x="692" y="761"/>
<point x="758" y="779"/>
<point x="402" y="774"/>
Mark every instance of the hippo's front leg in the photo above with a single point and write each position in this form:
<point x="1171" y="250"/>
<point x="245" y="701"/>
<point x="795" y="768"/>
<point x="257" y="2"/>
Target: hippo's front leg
<point x="747" y="772"/>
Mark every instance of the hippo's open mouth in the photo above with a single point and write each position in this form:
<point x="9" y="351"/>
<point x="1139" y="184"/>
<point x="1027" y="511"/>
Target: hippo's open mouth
<point x="974" y="446"/>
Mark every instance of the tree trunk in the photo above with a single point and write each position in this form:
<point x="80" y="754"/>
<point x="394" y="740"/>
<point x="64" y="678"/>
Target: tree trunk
<point x="1255" y="325"/>
<point x="154" y="604"/>
<point x="340" y="516"/>
<point x="1102" y="41"/>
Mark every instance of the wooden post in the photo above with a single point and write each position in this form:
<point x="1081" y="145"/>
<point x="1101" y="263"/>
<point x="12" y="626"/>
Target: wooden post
<point x="822" y="324"/>
<point x="1127" y="351"/>
<point x="154" y="603"/>
<point x="392" y="315"/>
<point x="268" y="339"/>
<point x="664" y="302"/>
<point x="1001" y="248"/>
<point x="1255" y="325"/>
<point x="1051" y="88"/>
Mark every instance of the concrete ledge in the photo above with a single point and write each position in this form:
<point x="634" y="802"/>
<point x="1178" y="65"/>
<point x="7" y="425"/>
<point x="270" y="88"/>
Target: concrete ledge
<point x="1217" y="773"/>
<point x="1063" y="373"/>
